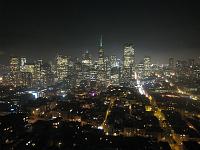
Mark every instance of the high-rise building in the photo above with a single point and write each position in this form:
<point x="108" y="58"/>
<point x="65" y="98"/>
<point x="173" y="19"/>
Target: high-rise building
<point x="87" y="59"/>
<point x="93" y="77"/>
<point x="27" y="74"/>
<point x="86" y="65"/>
<point x="14" y="65"/>
<point x="78" y="71"/>
<point x="15" y="71"/>
<point x="113" y="61"/>
<point x="101" y="71"/>
<point x="140" y="69"/>
<point x="61" y="67"/>
<point x="22" y="63"/>
<point x="147" y="66"/>
<point x="47" y="77"/>
<point x="37" y="72"/>
<point x="114" y="70"/>
<point x="128" y="70"/>
<point x="101" y="53"/>
<point x="107" y="69"/>
<point x="71" y="66"/>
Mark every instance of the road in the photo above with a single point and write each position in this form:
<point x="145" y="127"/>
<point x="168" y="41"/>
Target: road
<point x="104" y="125"/>
<point x="175" y="144"/>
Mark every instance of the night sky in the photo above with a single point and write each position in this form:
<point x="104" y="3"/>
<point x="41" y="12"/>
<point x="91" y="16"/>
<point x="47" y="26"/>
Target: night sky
<point x="161" y="30"/>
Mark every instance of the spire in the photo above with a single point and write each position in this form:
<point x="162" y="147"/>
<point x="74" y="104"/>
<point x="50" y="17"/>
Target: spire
<point x="101" y="42"/>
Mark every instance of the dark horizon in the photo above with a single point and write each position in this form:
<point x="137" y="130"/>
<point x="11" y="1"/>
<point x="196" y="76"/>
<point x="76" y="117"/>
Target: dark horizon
<point x="157" y="29"/>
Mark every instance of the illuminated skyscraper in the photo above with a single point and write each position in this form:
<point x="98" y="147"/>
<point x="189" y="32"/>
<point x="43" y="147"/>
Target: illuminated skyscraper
<point x="37" y="72"/>
<point x="87" y="59"/>
<point x="14" y="65"/>
<point x="113" y="61"/>
<point x="147" y="66"/>
<point x="113" y="70"/>
<point x="78" y="71"/>
<point x="101" y="72"/>
<point x="128" y="70"/>
<point x="140" y="69"/>
<point x="107" y="69"/>
<point x="47" y="77"/>
<point x="93" y="77"/>
<point x="14" y="71"/>
<point x="22" y="63"/>
<point x="27" y="74"/>
<point x="86" y="65"/>
<point x="101" y="53"/>
<point x="61" y="67"/>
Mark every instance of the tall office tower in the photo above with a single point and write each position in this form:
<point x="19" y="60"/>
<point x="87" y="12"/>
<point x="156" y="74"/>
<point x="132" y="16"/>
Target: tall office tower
<point x="14" y="65"/>
<point x="78" y="71"/>
<point x="107" y="69"/>
<point x="140" y="69"/>
<point x="113" y="61"/>
<point x="70" y="68"/>
<point x="114" y="70"/>
<point x="86" y="58"/>
<point x="22" y="63"/>
<point x="47" y="77"/>
<point x="27" y="74"/>
<point x="128" y="70"/>
<point x="147" y="66"/>
<point x="14" y="71"/>
<point x="171" y="63"/>
<point x="61" y="67"/>
<point x="101" y="53"/>
<point x="37" y="73"/>
<point x="93" y="77"/>
<point x="101" y="72"/>
<point x="86" y="65"/>
<point x="4" y="75"/>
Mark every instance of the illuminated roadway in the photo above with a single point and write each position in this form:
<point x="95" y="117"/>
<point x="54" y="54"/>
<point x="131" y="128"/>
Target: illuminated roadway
<point x="104" y="125"/>
<point x="175" y="143"/>
<point x="169" y="135"/>
<point x="179" y="91"/>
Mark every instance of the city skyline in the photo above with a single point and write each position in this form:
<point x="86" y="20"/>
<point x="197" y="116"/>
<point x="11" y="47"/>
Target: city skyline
<point x="138" y="57"/>
<point x="100" y="74"/>
<point x="45" y="29"/>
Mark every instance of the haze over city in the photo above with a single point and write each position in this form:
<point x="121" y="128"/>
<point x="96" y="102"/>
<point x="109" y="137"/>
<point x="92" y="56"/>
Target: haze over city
<point x="160" y="29"/>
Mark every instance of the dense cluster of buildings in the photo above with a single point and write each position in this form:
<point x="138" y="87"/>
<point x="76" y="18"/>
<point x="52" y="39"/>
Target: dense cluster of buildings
<point x="110" y="99"/>
<point x="88" y="73"/>
<point x="77" y="72"/>
<point x="190" y="68"/>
